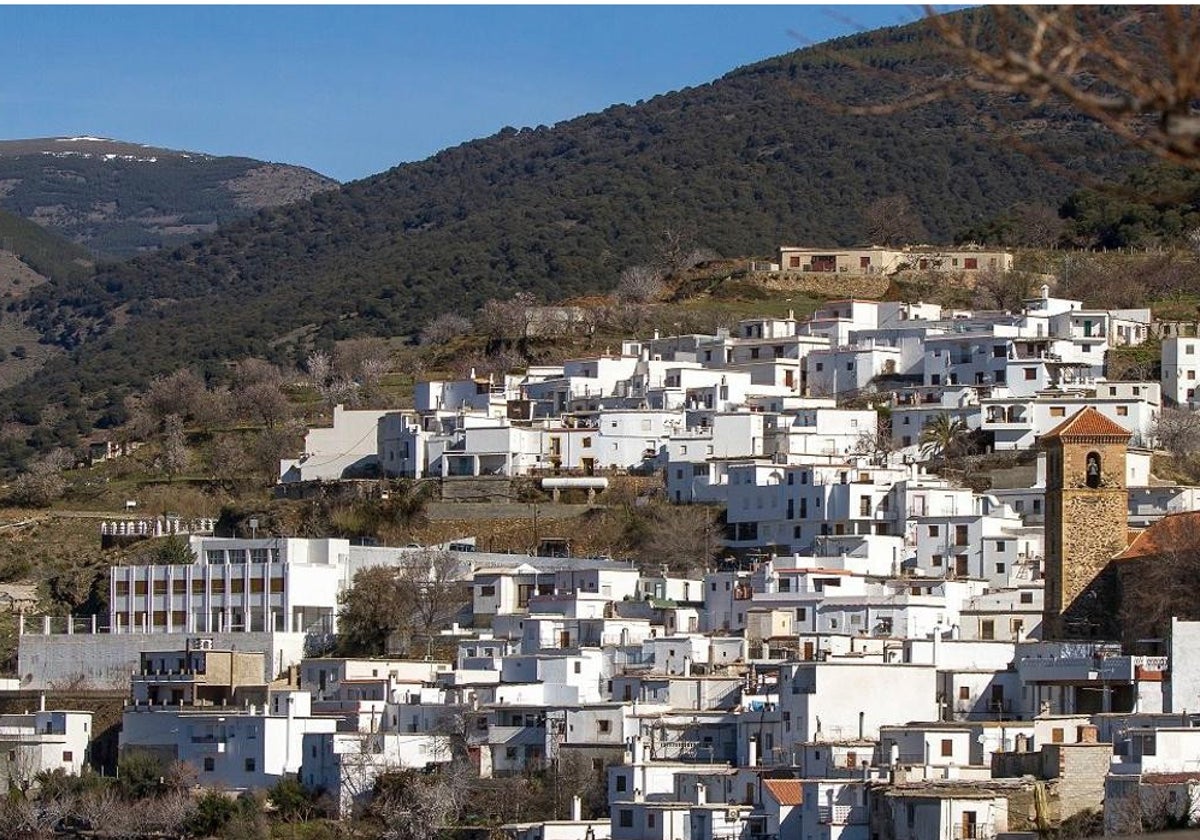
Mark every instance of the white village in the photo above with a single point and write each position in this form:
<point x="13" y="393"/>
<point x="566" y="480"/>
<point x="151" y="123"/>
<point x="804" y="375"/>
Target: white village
<point x="873" y="650"/>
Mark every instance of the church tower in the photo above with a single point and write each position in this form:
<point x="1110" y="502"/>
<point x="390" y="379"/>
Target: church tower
<point x="1086" y="523"/>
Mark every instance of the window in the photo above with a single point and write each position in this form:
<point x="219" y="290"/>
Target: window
<point x="1122" y="411"/>
<point x="650" y="820"/>
<point x="487" y="591"/>
<point x="1026" y="597"/>
<point x="864" y="505"/>
<point x="999" y="568"/>
<point x="625" y="818"/>
<point x="603" y="726"/>
<point x="1030" y="374"/>
<point x="510" y="753"/>
<point x="1058" y="411"/>
<point x="987" y="629"/>
<point x="947" y="747"/>
<point x="801" y="613"/>
<point x="622" y="783"/>
<point x="964" y="692"/>
<point x="1056" y="735"/>
<point x="210" y="764"/>
<point x="68" y="756"/>
<point x="250" y="765"/>
<point x="933" y="530"/>
<point x="937" y="560"/>
<point x="1000" y="546"/>
<point x="960" y="535"/>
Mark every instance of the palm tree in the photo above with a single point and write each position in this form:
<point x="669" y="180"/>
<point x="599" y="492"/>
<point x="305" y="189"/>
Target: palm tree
<point x="943" y="436"/>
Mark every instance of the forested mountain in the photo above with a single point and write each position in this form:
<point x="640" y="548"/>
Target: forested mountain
<point x="42" y="251"/>
<point x="119" y="199"/>
<point x="741" y="165"/>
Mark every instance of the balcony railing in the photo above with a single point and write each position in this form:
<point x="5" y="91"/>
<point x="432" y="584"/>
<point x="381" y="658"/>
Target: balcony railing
<point x="841" y="814"/>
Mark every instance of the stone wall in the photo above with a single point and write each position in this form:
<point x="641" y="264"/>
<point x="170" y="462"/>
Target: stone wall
<point x="859" y="286"/>
<point x="1081" y="769"/>
<point x="106" y="660"/>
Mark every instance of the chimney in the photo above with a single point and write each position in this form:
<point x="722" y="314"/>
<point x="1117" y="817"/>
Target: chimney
<point x="1022" y="743"/>
<point x="752" y="753"/>
<point x="1088" y="734"/>
<point x="701" y="794"/>
<point x="576" y="809"/>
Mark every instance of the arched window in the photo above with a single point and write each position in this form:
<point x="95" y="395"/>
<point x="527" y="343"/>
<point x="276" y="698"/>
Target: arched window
<point x="1093" y="469"/>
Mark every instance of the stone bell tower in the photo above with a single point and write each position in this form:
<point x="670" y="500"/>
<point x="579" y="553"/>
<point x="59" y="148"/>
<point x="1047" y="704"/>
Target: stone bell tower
<point x="1086" y="524"/>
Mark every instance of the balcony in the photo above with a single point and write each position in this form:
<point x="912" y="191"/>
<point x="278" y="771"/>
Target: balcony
<point x="1124" y="669"/>
<point x="841" y="814"/>
<point x="208" y="744"/>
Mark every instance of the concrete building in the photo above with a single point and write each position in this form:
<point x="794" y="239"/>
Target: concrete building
<point x="348" y="449"/>
<point x="43" y="741"/>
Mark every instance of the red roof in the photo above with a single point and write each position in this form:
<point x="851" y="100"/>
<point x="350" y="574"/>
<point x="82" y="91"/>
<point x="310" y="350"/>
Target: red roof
<point x="1174" y="532"/>
<point x="1088" y="423"/>
<point x="785" y="791"/>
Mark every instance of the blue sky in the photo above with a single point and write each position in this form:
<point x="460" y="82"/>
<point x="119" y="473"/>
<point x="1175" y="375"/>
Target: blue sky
<point x="351" y="91"/>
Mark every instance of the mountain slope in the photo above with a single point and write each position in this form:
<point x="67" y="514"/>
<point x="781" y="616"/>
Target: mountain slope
<point x="121" y="198"/>
<point x="744" y="163"/>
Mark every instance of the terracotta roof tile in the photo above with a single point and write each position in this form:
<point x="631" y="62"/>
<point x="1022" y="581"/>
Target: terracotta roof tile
<point x="1174" y="532"/>
<point x="786" y="791"/>
<point x="1088" y="422"/>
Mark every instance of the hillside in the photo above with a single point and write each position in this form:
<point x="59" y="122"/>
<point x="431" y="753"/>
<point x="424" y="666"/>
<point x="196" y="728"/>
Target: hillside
<point x="29" y="255"/>
<point x="739" y="166"/>
<point x="119" y="199"/>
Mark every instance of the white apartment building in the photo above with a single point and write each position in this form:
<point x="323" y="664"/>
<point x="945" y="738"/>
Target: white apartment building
<point x="848" y="369"/>
<point x="231" y="748"/>
<point x="346" y="449"/>
<point x="1016" y="421"/>
<point x="824" y="700"/>
<point x="235" y="585"/>
<point x="43" y="741"/>
<point x="1180" y="370"/>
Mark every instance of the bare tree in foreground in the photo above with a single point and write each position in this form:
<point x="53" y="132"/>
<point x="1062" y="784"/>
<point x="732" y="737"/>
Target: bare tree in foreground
<point x="1134" y="70"/>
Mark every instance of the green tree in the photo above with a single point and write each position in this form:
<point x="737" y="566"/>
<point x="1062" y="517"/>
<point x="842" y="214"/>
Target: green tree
<point x="371" y="611"/>
<point x="943" y="437"/>
<point x="291" y="801"/>
<point x="140" y="774"/>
